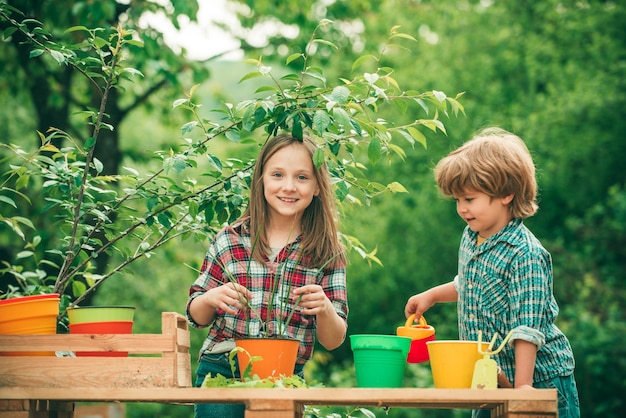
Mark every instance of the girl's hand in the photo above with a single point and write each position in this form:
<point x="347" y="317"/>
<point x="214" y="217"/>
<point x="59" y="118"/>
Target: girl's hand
<point x="314" y="301"/>
<point x="231" y="298"/>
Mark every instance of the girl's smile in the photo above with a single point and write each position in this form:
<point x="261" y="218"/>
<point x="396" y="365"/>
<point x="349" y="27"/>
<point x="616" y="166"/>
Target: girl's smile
<point x="289" y="183"/>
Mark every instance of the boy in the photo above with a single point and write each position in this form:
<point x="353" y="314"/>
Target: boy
<point x="504" y="279"/>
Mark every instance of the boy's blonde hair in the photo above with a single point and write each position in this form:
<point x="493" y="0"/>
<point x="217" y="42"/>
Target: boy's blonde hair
<point x="494" y="162"/>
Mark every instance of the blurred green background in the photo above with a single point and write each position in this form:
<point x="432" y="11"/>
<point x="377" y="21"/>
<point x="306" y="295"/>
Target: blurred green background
<point x="553" y="72"/>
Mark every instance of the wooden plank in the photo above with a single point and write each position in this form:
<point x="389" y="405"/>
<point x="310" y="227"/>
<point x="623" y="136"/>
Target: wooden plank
<point x="540" y="398"/>
<point x="282" y="403"/>
<point x="133" y="343"/>
<point x="176" y="325"/>
<point x="266" y="408"/>
<point x="532" y="406"/>
<point x="86" y="372"/>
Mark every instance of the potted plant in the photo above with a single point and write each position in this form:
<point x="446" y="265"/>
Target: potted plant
<point x="94" y="214"/>
<point x="132" y="214"/>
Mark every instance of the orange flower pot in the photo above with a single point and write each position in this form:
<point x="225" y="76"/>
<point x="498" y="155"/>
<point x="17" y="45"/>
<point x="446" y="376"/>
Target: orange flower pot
<point x="271" y="357"/>
<point x="35" y="314"/>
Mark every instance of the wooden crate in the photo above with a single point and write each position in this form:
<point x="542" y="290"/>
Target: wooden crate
<point x="155" y="361"/>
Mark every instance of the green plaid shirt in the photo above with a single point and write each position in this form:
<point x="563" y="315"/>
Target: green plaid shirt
<point x="230" y="250"/>
<point x="506" y="284"/>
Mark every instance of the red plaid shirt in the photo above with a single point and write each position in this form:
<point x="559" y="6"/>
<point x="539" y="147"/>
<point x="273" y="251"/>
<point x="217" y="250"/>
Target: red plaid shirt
<point x="230" y="250"/>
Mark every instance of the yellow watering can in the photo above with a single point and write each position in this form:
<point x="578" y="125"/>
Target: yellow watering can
<point x="420" y="334"/>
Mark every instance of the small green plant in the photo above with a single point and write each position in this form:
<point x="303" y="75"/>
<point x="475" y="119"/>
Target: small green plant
<point x="248" y="380"/>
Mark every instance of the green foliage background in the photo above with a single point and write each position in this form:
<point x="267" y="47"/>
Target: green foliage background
<point x="552" y="72"/>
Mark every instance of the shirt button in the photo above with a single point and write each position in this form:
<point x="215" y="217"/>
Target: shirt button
<point x="469" y="286"/>
<point x="471" y="316"/>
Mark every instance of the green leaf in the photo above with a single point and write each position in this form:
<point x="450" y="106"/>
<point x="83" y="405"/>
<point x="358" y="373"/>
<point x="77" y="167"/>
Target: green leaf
<point x="342" y="117"/>
<point x="259" y="115"/>
<point x="403" y="35"/>
<point x="24" y="254"/>
<point x="293" y="57"/>
<point x="8" y="200"/>
<point x="319" y="157"/>
<point x="35" y="53"/>
<point x="321" y="121"/>
<point x="232" y="135"/>
<point x="265" y="88"/>
<point x="396" y="187"/>
<point x="296" y="130"/>
<point x="439" y="95"/>
<point x="215" y="162"/>
<point x="179" y="102"/>
<point x="78" y="288"/>
<point x="24" y="221"/>
<point x="248" y="76"/>
<point x="324" y="42"/>
<point x="359" y="61"/>
<point x="188" y="127"/>
<point x="374" y="150"/>
<point x="90" y="142"/>
<point x="76" y="28"/>
<point x="340" y="94"/>
<point x="406" y="136"/>
<point x="341" y="190"/>
<point x="417" y="135"/>
<point x="58" y="57"/>
<point x="8" y="32"/>
<point x="209" y="213"/>
<point x="193" y="208"/>
<point x="164" y="219"/>
<point x="98" y="165"/>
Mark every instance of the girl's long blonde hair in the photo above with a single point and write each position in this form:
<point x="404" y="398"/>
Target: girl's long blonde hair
<point x="320" y="240"/>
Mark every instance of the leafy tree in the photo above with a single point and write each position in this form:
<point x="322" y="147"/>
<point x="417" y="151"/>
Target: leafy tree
<point x="56" y="92"/>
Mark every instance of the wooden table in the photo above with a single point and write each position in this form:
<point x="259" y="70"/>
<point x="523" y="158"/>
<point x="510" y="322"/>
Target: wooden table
<point x="289" y="403"/>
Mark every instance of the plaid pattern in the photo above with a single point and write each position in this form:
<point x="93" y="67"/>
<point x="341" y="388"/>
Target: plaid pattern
<point x="230" y="251"/>
<point x="506" y="284"/>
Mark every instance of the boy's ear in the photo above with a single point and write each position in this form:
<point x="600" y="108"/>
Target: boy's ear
<point x="507" y="199"/>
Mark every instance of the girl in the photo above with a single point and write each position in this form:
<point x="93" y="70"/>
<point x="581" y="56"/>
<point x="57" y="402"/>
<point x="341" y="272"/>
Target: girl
<point x="290" y="226"/>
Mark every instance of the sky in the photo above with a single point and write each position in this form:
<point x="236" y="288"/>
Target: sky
<point x="204" y="39"/>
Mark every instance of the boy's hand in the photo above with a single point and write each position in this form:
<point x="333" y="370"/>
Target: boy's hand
<point x="418" y="304"/>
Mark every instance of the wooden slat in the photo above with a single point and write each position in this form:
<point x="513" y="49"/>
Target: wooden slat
<point x="87" y="372"/>
<point x="540" y="398"/>
<point x="133" y="343"/>
<point x="262" y="403"/>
